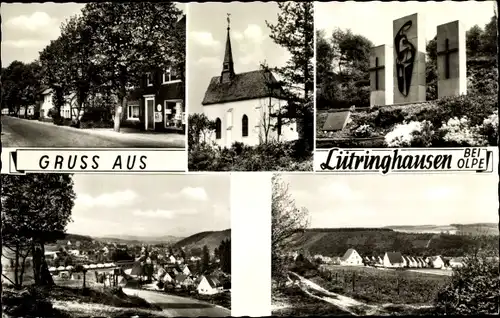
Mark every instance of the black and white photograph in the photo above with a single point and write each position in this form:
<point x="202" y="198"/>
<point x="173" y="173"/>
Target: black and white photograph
<point x="394" y="74"/>
<point x="116" y="246"/>
<point x="93" y="75"/>
<point x="397" y="245"/>
<point x="250" y="86"/>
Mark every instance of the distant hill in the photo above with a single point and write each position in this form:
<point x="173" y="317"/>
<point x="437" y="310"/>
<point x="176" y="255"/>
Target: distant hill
<point x="211" y="239"/>
<point x="472" y="229"/>
<point x="406" y="239"/>
<point x="131" y="239"/>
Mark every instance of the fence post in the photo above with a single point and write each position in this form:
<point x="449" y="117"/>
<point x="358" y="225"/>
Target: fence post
<point x="353" y="280"/>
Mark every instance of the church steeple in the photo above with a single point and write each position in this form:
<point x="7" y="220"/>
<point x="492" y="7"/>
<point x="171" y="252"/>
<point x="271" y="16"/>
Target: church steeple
<point x="227" y="65"/>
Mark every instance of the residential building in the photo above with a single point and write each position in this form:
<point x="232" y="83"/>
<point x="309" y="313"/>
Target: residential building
<point x="351" y="258"/>
<point x="208" y="285"/>
<point x="393" y="260"/>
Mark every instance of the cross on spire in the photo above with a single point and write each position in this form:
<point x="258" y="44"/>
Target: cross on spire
<point x="228" y="20"/>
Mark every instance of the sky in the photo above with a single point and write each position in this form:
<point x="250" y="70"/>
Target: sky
<point x="374" y="200"/>
<point x="374" y="19"/>
<point x="150" y="205"/>
<point x="207" y="31"/>
<point x="27" y="28"/>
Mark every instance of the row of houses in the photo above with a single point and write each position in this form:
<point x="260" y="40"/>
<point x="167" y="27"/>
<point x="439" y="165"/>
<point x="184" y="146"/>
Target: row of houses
<point x="391" y="260"/>
<point x="157" y="104"/>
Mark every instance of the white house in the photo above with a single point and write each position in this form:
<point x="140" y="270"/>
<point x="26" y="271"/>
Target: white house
<point x="435" y="261"/>
<point x="393" y="260"/>
<point x="5" y="111"/>
<point x="456" y="262"/>
<point x="172" y="259"/>
<point x="241" y="104"/>
<point x="185" y="270"/>
<point x="47" y="104"/>
<point x="351" y="258"/>
<point x="208" y="285"/>
<point x="74" y="252"/>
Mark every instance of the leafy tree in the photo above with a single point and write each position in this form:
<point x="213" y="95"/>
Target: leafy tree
<point x="133" y="38"/>
<point x="474" y="289"/>
<point x="199" y="130"/>
<point x="294" y="31"/>
<point x="224" y="254"/>
<point x="286" y="220"/>
<point x="20" y="85"/>
<point x="35" y="210"/>
<point x="205" y="260"/>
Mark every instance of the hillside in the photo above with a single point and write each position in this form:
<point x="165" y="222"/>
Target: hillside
<point x="211" y="239"/>
<point x="335" y="242"/>
<point x="131" y="239"/>
<point x="471" y="229"/>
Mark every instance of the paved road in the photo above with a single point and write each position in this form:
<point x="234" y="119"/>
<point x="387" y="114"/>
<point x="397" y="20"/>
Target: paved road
<point x="175" y="306"/>
<point x="31" y="133"/>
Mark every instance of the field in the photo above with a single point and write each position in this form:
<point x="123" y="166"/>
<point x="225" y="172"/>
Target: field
<point x="292" y="301"/>
<point x="377" y="286"/>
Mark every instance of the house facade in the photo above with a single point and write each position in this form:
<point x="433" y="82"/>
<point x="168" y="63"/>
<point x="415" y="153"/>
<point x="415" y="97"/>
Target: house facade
<point x="159" y="103"/>
<point x="243" y="106"/>
<point x="46" y="104"/>
<point x="393" y="260"/>
<point x="208" y="285"/>
<point x="351" y="258"/>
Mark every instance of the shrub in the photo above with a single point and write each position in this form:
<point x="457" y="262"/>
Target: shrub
<point x="474" y="289"/>
<point x="96" y="117"/>
<point x="386" y="118"/>
<point x="458" y="132"/>
<point x="363" y="131"/>
<point x="402" y="134"/>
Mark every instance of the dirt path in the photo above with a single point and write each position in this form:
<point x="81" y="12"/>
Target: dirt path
<point x="348" y="304"/>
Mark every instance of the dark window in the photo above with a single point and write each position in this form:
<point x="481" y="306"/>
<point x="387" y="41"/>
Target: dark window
<point x="244" y="126"/>
<point x="218" y="128"/>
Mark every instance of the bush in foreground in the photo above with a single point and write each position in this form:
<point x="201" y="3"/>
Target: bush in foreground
<point x="271" y="156"/>
<point x="474" y="289"/>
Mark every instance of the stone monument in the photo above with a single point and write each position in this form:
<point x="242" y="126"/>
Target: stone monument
<point x="381" y="82"/>
<point x="451" y="59"/>
<point x="409" y="59"/>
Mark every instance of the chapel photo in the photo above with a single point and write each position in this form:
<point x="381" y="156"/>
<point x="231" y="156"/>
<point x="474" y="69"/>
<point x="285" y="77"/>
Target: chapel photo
<point x="244" y="104"/>
<point x="407" y="75"/>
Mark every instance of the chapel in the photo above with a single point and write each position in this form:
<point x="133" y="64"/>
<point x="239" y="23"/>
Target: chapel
<point x="246" y="107"/>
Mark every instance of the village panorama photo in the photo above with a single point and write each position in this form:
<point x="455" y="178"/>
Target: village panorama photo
<point x="396" y="245"/>
<point x="250" y="86"/>
<point x="93" y="75"/>
<point x="403" y="74"/>
<point x="116" y="245"/>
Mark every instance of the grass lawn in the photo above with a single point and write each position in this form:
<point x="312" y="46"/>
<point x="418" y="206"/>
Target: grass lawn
<point x="296" y="303"/>
<point x="376" y="286"/>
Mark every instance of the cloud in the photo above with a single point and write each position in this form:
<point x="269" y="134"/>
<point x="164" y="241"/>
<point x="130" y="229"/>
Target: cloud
<point x="189" y="193"/>
<point x="198" y="193"/>
<point x="205" y="39"/>
<point x="164" y="214"/>
<point x="337" y="190"/>
<point x="108" y="200"/>
<point x="35" y="22"/>
<point x="209" y="62"/>
<point x="254" y="33"/>
<point x="24" y="43"/>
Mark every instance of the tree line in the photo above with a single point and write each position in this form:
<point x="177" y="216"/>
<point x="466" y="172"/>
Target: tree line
<point x="342" y="66"/>
<point x="105" y="51"/>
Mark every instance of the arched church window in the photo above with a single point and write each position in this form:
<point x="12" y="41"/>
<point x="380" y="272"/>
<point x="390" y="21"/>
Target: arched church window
<point x="244" y="126"/>
<point x="218" y="128"/>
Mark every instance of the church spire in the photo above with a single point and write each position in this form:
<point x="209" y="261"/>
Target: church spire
<point x="227" y="65"/>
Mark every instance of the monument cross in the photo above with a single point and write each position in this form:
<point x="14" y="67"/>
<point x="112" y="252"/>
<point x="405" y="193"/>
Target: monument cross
<point x="376" y="69"/>
<point x="447" y="52"/>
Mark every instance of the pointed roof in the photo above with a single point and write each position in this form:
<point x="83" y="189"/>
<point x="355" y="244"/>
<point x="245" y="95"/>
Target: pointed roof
<point x="348" y="254"/>
<point x="395" y="257"/>
<point x="228" y="54"/>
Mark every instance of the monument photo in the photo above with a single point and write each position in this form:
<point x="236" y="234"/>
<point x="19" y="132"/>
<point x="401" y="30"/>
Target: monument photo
<point x="411" y="77"/>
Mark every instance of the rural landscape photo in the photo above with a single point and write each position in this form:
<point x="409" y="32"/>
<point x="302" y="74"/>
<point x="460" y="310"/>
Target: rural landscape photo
<point x="116" y="246"/>
<point x="408" y="75"/>
<point x="93" y="75"/>
<point x="250" y="81"/>
<point x="398" y="245"/>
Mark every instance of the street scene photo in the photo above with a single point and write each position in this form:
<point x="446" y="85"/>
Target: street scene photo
<point x="401" y="245"/>
<point x="116" y="246"/>
<point x="250" y="80"/>
<point x="93" y="75"/>
<point x="403" y="74"/>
